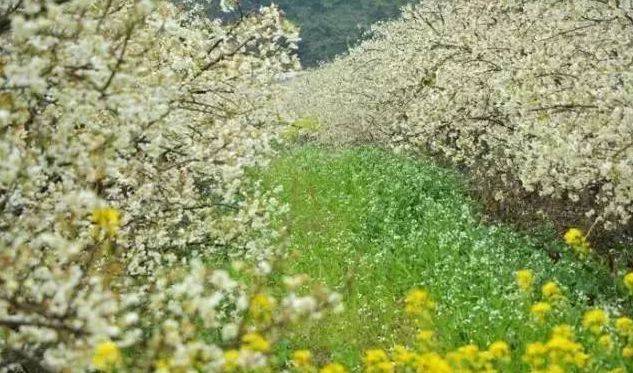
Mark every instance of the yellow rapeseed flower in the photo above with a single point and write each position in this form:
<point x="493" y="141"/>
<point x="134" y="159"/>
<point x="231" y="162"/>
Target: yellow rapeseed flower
<point x="624" y="326"/>
<point x="255" y="342"/>
<point x="563" y="331"/>
<point x="418" y="302"/>
<point x="627" y="352"/>
<point x="107" y="219"/>
<point x="302" y="358"/>
<point x="230" y="360"/>
<point x="575" y="238"/>
<point x="403" y="356"/>
<point x="554" y="368"/>
<point x="106" y="356"/>
<point x="605" y="341"/>
<point x="560" y="352"/>
<point x="425" y="338"/>
<point x="384" y="367"/>
<point x="551" y="291"/>
<point x="525" y="279"/>
<point x="162" y="366"/>
<point x="540" y="310"/>
<point x="432" y="362"/>
<point x="333" y="368"/>
<point x="376" y="360"/>
<point x="465" y="356"/>
<point x="580" y="359"/>
<point x="628" y="281"/>
<point x="535" y="354"/>
<point x="374" y="357"/>
<point x="499" y="350"/>
<point x="261" y="308"/>
<point x="594" y="320"/>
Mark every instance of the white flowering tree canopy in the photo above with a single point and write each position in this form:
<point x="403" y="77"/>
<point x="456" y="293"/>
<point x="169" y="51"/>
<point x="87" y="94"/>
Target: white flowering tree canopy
<point x="126" y="127"/>
<point x="534" y="93"/>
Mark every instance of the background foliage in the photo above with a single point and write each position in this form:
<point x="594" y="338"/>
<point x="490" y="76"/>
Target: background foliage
<point x="329" y="27"/>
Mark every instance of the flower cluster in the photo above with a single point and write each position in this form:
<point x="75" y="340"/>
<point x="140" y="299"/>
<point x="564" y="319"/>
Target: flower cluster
<point x="525" y="279"/>
<point x="418" y="303"/>
<point x="559" y="354"/>
<point x="426" y="354"/>
<point x="302" y="362"/>
<point x="588" y="348"/>
<point x="628" y="281"/>
<point x="532" y="97"/>
<point x="563" y="351"/>
<point x="577" y="240"/>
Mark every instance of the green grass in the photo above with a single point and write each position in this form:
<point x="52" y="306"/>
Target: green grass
<point x="373" y="225"/>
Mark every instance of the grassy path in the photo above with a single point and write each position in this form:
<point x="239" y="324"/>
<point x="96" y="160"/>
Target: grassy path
<point x="374" y="225"/>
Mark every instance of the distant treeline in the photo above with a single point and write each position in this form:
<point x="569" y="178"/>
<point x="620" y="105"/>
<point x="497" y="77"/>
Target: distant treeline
<point x="328" y="27"/>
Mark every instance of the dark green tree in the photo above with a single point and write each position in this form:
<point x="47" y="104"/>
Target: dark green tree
<point x="328" y="27"/>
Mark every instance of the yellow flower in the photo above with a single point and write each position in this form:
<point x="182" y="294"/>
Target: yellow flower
<point x="162" y="366"/>
<point x="606" y="342"/>
<point x="563" y="331"/>
<point x="560" y="344"/>
<point x="402" y="356"/>
<point x="628" y="281"/>
<point x="261" y="308"/>
<point x="595" y="320"/>
<point x="624" y="326"/>
<point x="374" y="357"/>
<point x="425" y="338"/>
<point x="106" y="356"/>
<point x="376" y="360"/>
<point x="555" y="368"/>
<point x="108" y="219"/>
<point x="469" y="352"/>
<point x="535" y="354"/>
<point x="499" y="350"/>
<point x="525" y="279"/>
<point x="580" y="359"/>
<point x="464" y="355"/>
<point x="540" y="310"/>
<point x="575" y="238"/>
<point x="255" y="342"/>
<point x="302" y="358"/>
<point x="627" y="352"/>
<point x="384" y="367"/>
<point x="551" y="291"/>
<point x="432" y="362"/>
<point x="418" y="302"/>
<point x="557" y="354"/>
<point x="333" y="368"/>
<point x="230" y="360"/>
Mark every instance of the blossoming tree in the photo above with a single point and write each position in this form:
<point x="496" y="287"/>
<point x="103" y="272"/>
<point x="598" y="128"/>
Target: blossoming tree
<point x="126" y="127"/>
<point x="531" y="94"/>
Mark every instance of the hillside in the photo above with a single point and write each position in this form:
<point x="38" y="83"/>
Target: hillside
<point x="328" y="27"/>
